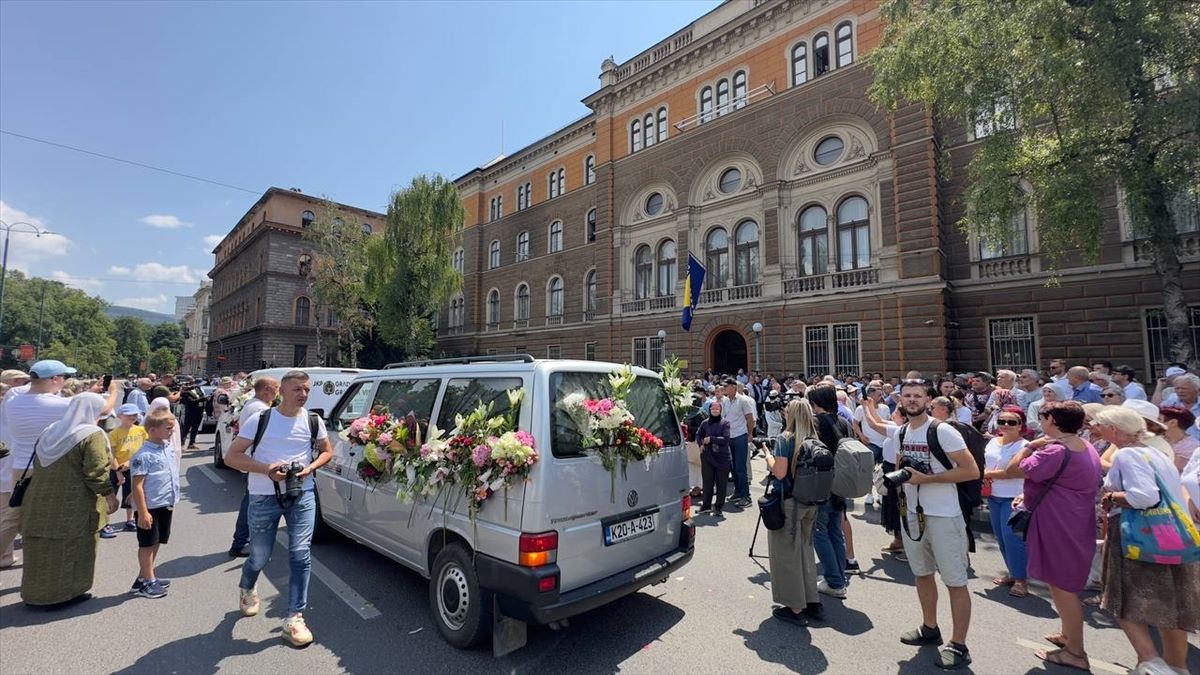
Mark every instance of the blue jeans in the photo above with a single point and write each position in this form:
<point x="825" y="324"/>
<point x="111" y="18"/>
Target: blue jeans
<point x="1012" y="547"/>
<point x="739" y="445"/>
<point x="830" y="542"/>
<point x="241" y="530"/>
<point x="300" y="516"/>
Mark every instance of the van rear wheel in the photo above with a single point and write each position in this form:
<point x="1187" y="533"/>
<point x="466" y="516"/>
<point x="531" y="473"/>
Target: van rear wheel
<point x="456" y="600"/>
<point x="218" y="453"/>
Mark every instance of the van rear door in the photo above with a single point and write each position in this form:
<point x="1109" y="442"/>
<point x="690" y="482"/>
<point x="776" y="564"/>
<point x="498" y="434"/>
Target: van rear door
<point x="608" y="524"/>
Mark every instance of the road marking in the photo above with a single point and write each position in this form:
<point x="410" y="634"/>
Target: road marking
<point x="340" y="588"/>
<point x="1096" y="664"/>
<point x="210" y="474"/>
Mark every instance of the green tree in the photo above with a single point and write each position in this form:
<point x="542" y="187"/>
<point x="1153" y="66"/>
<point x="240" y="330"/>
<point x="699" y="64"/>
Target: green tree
<point x="337" y="280"/>
<point x="1102" y="92"/>
<point x="163" y="360"/>
<point x="133" y="346"/>
<point x="168" y="335"/>
<point x="410" y="274"/>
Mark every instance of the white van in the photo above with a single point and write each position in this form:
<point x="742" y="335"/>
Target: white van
<point x="328" y="385"/>
<point x="599" y="544"/>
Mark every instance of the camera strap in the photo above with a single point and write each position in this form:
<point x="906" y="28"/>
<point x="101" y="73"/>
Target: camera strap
<point x="284" y="502"/>
<point x="902" y="496"/>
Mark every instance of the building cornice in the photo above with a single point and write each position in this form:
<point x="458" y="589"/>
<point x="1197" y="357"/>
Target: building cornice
<point x="530" y="153"/>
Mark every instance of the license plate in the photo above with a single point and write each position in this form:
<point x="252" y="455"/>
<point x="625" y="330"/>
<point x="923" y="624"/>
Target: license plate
<point x="629" y="529"/>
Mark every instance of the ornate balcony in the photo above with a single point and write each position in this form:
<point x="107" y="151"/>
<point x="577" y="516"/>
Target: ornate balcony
<point x="1187" y="247"/>
<point x="731" y="294"/>
<point x="1004" y="268"/>
<point x="832" y="281"/>
<point x="554" y="320"/>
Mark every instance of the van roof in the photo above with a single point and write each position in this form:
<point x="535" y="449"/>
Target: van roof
<point x="272" y="372"/>
<point x="507" y="363"/>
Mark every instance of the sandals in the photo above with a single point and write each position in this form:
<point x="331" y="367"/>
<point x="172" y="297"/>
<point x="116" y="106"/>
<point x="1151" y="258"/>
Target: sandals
<point x="1056" y="639"/>
<point x="953" y="656"/>
<point x="1004" y="581"/>
<point x="891" y="548"/>
<point x="1020" y="589"/>
<point x="1055" y="656"/>
<point x="1093" y="601"/>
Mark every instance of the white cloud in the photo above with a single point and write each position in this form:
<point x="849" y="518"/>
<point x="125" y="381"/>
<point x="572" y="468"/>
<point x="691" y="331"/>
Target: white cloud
<point x="86" y="284"/>
<point x="153" y="271"/>
<point x="211" y="241"/>
<point x="164" y="221"/>
<point x="24" y="248"/>
<point x="153" y="303"/>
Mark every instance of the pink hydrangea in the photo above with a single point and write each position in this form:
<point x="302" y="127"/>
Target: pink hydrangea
<point x="385" y="439"/>
<point x="364" y="436"/>
<point x="525" y="438"/>
<point x="481" y="455"/>
<point x="358" y="425"/>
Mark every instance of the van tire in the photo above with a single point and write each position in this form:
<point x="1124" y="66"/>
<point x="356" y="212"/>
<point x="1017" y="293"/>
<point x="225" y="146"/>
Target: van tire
<point x="218" y="453"/>
<point x="453" y="584"/>
<point x="323" y="533"/>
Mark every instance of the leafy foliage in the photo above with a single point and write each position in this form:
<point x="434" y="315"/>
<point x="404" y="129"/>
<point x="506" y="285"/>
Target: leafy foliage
<point x="338" y="277"/>
<point x="162" y="360"/>
<point x="133" y="344"/>
<point x="74" y="328"/>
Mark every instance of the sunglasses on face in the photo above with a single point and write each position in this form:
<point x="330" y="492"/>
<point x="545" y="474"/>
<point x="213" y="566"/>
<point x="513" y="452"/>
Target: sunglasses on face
<point x="1009" y="423"/>
<point x="1110" y="395"/>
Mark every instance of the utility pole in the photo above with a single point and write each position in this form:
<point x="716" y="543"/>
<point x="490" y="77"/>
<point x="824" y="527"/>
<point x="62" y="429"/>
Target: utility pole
<point x="41" y="312"/>
<point x="8" y="230"/>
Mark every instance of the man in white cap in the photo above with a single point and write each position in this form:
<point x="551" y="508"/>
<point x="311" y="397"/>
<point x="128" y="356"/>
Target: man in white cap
<point x="25" y="417"/>
<point x="1165" y="387"/>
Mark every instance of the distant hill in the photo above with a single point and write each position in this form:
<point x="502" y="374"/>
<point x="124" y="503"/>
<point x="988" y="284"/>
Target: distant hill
<point x="152" y="318"/>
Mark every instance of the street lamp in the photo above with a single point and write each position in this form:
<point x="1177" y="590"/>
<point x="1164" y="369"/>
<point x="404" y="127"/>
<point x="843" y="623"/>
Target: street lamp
<point x="8" y="230"/>
<point x="662" y="347"/>
<point x="757" y="328"/>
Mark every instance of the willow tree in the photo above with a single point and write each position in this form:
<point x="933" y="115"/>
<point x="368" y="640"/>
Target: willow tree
<point x="1085" y="95"/>
<point x="337" y="278"/>
<point x="411" y="275"/>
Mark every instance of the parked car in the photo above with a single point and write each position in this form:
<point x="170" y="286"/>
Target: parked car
<point x="598" y="548"/>
<point x="328" y="384"/>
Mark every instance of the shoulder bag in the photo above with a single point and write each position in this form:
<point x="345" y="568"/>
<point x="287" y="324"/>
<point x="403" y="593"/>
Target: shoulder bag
<point x="1022" y="517"/>
<point x="22" y="484"/>
<point x="1163" y="534"/>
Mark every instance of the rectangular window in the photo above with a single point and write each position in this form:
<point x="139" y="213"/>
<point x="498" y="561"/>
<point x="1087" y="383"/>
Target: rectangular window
<point x="589" y="351"/>
<point x="464" y="394"/>
<point x="845" y="348"/>
<point x="352" y="407"/>
<point x="640" y="351"/>
<point x="647" y="401"/>
<point x="1158" y="346"/>
<point x="554" y="351"/>
<point x="401" y="397"/>
<point x="648" y="352"/>
<point x="839" y="341"/>
<point x="1012" y="343"/>
<point x="816" y="350"/>
<point x="996" y="117"/>
<point x="299" y="356"/>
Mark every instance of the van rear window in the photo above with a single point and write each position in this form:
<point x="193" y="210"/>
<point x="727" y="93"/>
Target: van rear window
<point x="647" y="401"/>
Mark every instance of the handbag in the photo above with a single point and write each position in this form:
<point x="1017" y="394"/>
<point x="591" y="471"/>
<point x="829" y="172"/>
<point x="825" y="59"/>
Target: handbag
<point x="770" y="508"/>
<point x="22" y="484"/>
<point x="1021" y="518"/>
<point x="1163" y="534"/>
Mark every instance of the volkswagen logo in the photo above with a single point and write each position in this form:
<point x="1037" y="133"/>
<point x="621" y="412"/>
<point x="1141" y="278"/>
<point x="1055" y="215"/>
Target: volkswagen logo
<point x="631" y="500"/>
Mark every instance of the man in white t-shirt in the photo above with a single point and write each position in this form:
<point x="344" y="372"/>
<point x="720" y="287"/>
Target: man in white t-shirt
<point x="265" y="391"/>
<point x="740" y="410"/>
<point x="290" y="439"/>
<point x="866" y="433"/>
<point x="934" y="537"/>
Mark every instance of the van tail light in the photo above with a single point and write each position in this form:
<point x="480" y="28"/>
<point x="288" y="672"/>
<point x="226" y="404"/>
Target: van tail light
<point x="538" y="549"/>
<point x="687" y="506"/>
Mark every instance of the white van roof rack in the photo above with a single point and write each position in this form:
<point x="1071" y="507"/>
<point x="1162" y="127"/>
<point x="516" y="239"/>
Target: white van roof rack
<point x="494" y="358"/>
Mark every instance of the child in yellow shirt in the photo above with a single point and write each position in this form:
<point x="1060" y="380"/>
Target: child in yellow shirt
<point x="126" y="440"/>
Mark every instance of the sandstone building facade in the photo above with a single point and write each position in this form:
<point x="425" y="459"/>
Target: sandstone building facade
<point x="262" y="309"/>
<point x="748" y="140"/>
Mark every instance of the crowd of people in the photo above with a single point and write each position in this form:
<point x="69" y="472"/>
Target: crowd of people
<point x="1054" y="461"/>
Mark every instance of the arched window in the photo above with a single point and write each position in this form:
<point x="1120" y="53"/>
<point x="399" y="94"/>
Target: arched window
<point x="493" y="307"/>
<point x="455" y="319"/>
<point x="528" y="194"/>
<point x="556" y="236"/>
<point x="746" y="253"/>
<point x="494" y="255"/>
<point x="591" y="225"/>
<point x="522" y="246"/>
<point x="305" y="264"/>
<point x="716" y="258"/>
<point x="552" y="185"/>
<point x="820" y="54"/>
<point x="635" y="135"/>
<point x="589" y="170"/>
<point x="307" y="218"/>
<point x="854" y="234"/>
<point x="813" y="232"/>
<point x="1015" y="242"/>
<point x="301" y="316"/>
<point x="667" y="270"/>
<point x="722" y="96"/>
<point x="844" y="43"/>
<point x="561" y="178"/>
<point x="643" y="272"/>
<point x="706" y="104"/>
<point x="648" y="135"/>
<point x="459" y="261"/>
<point x="367" y="230"/>
<point x="662" y="124"/>
<point x="520" y="197"/>
<point x="739" y="89"/>
<point x="554" y="297"/>
<point x="521" y="309"/>
<point x="799" y="64"/>
<point x="589" y="293"/>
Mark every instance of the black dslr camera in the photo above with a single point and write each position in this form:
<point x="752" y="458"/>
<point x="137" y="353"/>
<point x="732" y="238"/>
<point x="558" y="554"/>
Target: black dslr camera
<point x="293" y="482"/>
<point x="903" y="475"/>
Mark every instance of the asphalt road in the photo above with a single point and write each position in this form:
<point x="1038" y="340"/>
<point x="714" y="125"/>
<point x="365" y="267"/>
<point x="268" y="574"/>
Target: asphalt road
<point x="712" y="617"/>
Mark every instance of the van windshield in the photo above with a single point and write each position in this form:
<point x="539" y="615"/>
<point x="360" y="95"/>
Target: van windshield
<point x="647" y="401"/>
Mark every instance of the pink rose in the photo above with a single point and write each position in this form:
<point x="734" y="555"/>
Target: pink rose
<point x="604" y="407"/>
<point x="364" y="436"/>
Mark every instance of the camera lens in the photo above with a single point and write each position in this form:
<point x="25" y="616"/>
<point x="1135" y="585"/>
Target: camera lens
<point x="897" y="477"/>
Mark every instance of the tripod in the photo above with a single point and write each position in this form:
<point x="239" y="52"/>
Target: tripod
<point x="757" y="525"/>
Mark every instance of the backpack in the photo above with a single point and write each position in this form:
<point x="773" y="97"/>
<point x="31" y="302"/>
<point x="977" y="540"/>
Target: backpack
<point x="262" y="428"/>
<point x="970" y="493"/>
<point x="812" y="481"/>
<point x="854" y="468"/>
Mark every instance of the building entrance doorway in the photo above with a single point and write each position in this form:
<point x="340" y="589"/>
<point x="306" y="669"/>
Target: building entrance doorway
<point x="728" y="352"/>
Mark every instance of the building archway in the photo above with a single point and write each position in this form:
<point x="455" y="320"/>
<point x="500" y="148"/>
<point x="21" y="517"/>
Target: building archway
<point x="727" y="352"/>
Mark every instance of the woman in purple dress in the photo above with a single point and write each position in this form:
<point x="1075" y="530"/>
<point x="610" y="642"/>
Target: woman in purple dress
<point x="1062" y="477"/>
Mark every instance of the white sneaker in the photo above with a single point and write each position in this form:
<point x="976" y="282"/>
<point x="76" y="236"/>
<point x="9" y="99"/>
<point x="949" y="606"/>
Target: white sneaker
<point x="296" y="632"/>
<point x="1155" y="666"/>
<point x="869" y="500"/>
<point x="248" y="601"/>
<point x="823" y="587"/>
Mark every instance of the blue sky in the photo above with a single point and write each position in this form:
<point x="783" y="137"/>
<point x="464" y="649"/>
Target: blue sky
<point x="346" y="100"/>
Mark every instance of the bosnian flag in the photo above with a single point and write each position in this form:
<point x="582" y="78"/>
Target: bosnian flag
<point x="691" y="289"/>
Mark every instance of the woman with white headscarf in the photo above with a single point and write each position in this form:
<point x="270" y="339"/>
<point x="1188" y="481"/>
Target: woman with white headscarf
<point x="1050" y="393"/>
<point x="65" y="506"/>
<point x="163" y="403"/>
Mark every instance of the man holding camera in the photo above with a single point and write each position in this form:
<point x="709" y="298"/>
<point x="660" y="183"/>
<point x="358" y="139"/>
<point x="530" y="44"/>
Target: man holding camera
<point x="281" y="465"/>
<point x="931" y="518"/>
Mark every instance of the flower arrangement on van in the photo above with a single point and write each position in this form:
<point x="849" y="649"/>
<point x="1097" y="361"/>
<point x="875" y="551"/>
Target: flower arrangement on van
<point x="678" y="392"/>
<point x="609" y="430"/>
<point x="384" y="440"/>
<point x="245" y="392"/>
<point x="482" y="454"/>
